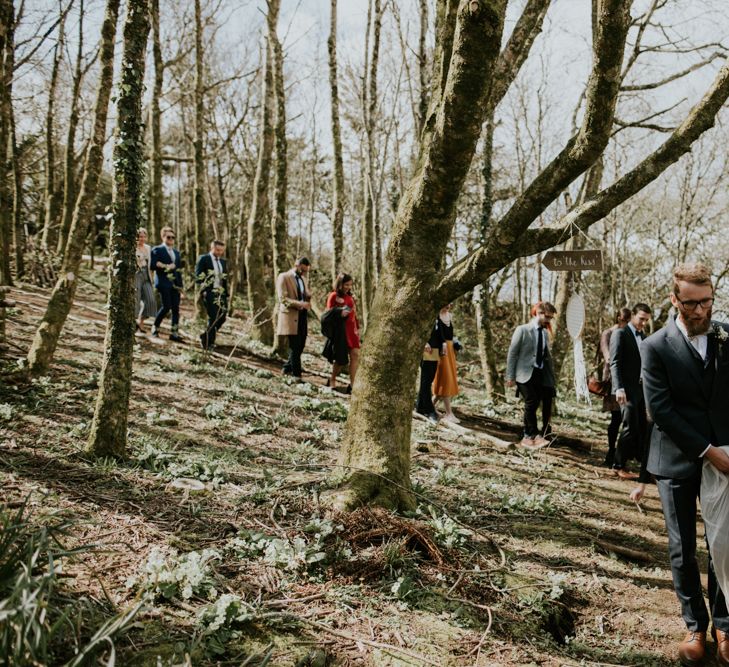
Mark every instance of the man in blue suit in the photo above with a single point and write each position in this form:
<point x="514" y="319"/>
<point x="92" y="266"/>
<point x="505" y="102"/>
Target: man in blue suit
<point x="211" y="275"/>
<point x="166" y="264"/>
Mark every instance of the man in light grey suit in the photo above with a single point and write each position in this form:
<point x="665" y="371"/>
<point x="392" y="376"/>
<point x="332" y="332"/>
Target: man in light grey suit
<point x="685" y="369"/>
<point x="529" y="367"/>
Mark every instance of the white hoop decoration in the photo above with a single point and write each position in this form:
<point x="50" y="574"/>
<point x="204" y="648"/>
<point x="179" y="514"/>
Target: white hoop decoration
<point x="575" y="316"/>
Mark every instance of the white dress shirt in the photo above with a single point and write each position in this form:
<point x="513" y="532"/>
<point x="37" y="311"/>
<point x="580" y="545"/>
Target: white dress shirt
<point x="536" y="325"/>
<point x="699" y="343"/>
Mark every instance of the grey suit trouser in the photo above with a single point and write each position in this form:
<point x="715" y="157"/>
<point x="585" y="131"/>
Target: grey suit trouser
<point x="678" y="498"/>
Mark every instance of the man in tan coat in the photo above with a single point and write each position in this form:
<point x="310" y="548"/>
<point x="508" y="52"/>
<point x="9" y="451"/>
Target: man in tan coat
<point x="294" y="300"/>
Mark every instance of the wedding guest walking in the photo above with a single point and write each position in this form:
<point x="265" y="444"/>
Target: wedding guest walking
<point x="529" y="367"/>
<point x="342" y="302"/>
<point x="211" y="275"/>
<point x="445" y="382"/>
<point x="166" y="263"/>
<point x="609" y="404"/>
<point x="428" y="368"/>
<point x="294" y="297"/>
<point x="146" y="299"/>
<point x="627" y="385"/>
<point x="686" y="384"/>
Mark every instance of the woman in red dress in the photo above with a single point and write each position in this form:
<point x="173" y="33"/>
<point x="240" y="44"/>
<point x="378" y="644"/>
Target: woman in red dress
<point x="342" y="298"/>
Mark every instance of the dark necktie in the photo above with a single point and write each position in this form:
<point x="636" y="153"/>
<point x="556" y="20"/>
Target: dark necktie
<point x="540" y="346"/>
<point x="299" y="288"/>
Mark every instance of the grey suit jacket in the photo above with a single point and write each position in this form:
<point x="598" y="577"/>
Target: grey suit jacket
<point x="688" y="415"/>
<point x="523" y="355"/>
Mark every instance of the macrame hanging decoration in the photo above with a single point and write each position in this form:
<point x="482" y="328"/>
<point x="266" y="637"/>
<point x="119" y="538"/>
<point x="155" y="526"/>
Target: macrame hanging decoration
<point x="575" y="316"/>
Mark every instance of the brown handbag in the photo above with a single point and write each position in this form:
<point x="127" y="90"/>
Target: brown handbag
<point x="597" y="386"/>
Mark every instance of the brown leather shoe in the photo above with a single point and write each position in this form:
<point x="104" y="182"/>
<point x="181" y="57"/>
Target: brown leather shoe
<point x="691" y="650"/>
<point x="722" y="646"/>
<point x="625" y="474"/>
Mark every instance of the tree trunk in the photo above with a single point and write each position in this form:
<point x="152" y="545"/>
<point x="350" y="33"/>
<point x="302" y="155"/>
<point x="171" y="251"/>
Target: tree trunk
<point x="52" y="196"/>
<point x="376" y="446"/>
<point x="7" y="46"/>
<point x="108" y="435"/>
<point x="369" y="216"/>
<point x="338" y="180"/>
<point x="69" y="175"/>
<point x="258" y="221"/>
<point x="155" y="201"/>
<point x="199" y="142"/>
<point x="19" y="235"/>
<point x="46" y="336"/>
<point x="423" y="65"/>
<point x="279" y="222"/>
<point x="481" y="294"/>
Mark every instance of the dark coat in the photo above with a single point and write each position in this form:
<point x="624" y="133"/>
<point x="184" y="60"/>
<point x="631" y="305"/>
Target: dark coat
<point x="205" y="273"/>
<point x="332" y="328"/>
<point x="625" y="362"/>
<point x="687" y="401"/>
<point x="164" y="279"/>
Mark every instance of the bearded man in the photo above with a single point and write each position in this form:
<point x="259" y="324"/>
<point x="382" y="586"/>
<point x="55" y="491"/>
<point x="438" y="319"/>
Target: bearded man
<point x="685" y="369"/>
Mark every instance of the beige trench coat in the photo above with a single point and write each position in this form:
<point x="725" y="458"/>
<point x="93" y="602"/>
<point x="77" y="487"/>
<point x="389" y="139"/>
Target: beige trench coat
<point x="288" y="299"/>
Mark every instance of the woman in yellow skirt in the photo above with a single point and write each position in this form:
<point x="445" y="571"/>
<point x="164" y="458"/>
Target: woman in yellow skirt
<point x="445" y="384"/>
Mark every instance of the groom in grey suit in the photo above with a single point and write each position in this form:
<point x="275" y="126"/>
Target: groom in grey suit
<point x="529" y="367"/>
<point x="685" y="368"/>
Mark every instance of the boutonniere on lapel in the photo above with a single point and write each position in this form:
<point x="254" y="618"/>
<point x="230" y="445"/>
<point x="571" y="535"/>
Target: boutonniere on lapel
<point x="721" y="334"/>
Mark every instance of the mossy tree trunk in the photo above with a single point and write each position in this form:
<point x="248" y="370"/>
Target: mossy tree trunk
<point x="46" y="336"/>
<point x="69" y="170"/>
<point x="199" y="141"/>
<point x="370" y="219"/>
<point x="279" y="219"/>
<point x="376" y="447"/>
<point x="52" y="195"/>
<point x="7" y="23"/>
<point x="259" y="229"/>
<point x="279" y="224"/>
<point x="338" y="194"/>
<point x="155" y="172"/>
<point x="481" y="293"/>
<point x="108" y="436"/>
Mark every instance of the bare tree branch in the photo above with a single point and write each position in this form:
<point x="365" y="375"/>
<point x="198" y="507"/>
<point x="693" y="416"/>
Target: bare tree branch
<point x="699" y="120"/>
<point x="517" y="48"/>
<point x="584" y="148"/>
<point x="673" y="77"/>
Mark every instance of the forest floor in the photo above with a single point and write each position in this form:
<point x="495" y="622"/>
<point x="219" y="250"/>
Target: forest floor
<point x="512" y="558"/>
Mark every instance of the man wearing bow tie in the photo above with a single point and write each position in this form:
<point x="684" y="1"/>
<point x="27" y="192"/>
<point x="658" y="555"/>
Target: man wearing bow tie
<point x="529" y="366"/>
<point x="625" y="346"/>
<point x="686" y="385"/>
<point x="211" y="275"/>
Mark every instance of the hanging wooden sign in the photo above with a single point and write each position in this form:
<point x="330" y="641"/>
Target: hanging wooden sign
<point x="573" y="260"/>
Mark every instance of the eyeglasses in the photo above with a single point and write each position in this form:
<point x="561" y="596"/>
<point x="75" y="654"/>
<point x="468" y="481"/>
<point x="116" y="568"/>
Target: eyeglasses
<point x="169" y="237"/>
<point x="692" y="305"/>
